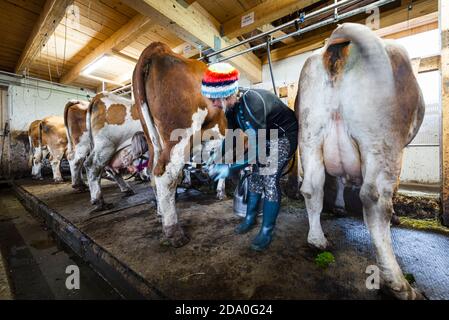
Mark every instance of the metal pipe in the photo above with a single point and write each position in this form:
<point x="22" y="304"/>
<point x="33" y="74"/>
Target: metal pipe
<point x="18" y="76"/>
<point x="311" y="27"/>
<point x="271" y="68"/>
<point x="282" y="26"/>
<point x="121" y="88"/>
<point x="422" y="145"/>
<point x="26" y="85"/>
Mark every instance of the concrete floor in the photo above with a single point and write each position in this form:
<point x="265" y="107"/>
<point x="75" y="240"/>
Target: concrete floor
<point x="5" y="290"/>
<point x="35" y="264"/>
<point x="217" y="264"/>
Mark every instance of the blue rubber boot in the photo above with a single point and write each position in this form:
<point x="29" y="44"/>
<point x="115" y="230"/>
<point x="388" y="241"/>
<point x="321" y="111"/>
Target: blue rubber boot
<point x="251" y="213"/>
<point x="265" y="235"/>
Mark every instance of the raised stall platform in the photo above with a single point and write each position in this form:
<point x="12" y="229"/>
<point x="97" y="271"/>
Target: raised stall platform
<point x="123" y="245"/>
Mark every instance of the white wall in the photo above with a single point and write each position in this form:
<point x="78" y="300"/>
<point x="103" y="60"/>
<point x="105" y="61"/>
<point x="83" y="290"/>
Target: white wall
<point x="29" y="100"/>
<point x="35" y="100"/>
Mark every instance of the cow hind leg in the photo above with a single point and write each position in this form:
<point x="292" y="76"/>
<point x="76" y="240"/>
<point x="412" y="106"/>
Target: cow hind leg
<point x="56" y="168"/>
<point x="36" y="169"/>
<point x="94" y="165"/>
<point x="76" y="166"/>
<point x="313" y="191"/>
<point x="221" y="189"/>
<point x="376" y="195"/>
<point x="123" y="185"/>
<point x="166" y="207"/>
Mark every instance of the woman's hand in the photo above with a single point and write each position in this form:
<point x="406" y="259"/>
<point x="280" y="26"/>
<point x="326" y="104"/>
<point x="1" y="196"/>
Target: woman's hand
<point x="219" y="171"/>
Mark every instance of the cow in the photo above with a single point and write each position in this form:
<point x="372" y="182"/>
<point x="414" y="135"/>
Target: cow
<point x="111" y="122"/>
<point x="51" y="140"/>
<point x="35" y="150"/>
<point x="358" y="106"/>
<point x="78" y="146"/>
<point x="167" y="90"/>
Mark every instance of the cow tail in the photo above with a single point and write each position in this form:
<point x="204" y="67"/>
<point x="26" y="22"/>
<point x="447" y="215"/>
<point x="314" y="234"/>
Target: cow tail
<point x="31" y="153"/>
<point x="66" y="125"/>
<point x="39" y="141"/>
<point x="140" y="75"/>
<point x="89" y="122"/>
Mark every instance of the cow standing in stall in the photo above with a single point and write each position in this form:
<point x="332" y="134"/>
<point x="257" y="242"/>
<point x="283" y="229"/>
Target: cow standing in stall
<point x="167" y="89"/>
<point x="51" y="140"/>
<point x="36" y="154"/>
<point x="111" y="123"/>
<point x="78" y="146"/>
<point x="358" y="106"/>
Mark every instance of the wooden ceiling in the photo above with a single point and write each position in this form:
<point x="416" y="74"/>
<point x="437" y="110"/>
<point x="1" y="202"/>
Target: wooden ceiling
<point x="58" y="39"/>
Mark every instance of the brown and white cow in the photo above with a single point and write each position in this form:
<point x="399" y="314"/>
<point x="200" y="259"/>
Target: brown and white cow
<point x="36" y="152"/>
<point x="167" y="92"/>
<point x="78" y="146"/>
<point x="359" y="105"/>
<point x="111" y="123"/>
<point x="51" y="139"/>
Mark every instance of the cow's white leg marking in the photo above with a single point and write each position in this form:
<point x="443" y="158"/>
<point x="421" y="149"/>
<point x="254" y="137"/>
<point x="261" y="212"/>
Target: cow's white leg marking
<point x="166" y="190"/>
<point x="376" y="194"/>
<point x="36" y="170"/>
<point x="56" y="168"/>
<point x="166" y="184"/>
<point x="313" y="192"/>
<point x="221" y="194"/>
<point x="94" y="165"/>
<point x="76" y="161"/>
<point x="187" y="178"/>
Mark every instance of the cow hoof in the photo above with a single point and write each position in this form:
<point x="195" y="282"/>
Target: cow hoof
<point x="101" y="207"/>
<point x="221" y="196"/>
<point x="128" y="193"/>
<point x="175" y="236"/>
<point x="395" y="220"/>
<point x="318" y="242"/>
<point x="59" y="181"/>
<point x="408" y="293"/>
<point x="80" y="187"/>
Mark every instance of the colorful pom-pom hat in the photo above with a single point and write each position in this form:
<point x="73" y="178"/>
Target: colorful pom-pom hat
<point x="220" y="81"/>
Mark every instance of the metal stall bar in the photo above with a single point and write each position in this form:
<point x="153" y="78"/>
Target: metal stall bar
<point x="269" y="64"/>
<point x="121" y="88"/>
<point x="310" y="28"/>
<point x="287" y="24"/>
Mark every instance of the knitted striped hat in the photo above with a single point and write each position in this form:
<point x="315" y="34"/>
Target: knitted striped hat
<point x="220" y="81"/>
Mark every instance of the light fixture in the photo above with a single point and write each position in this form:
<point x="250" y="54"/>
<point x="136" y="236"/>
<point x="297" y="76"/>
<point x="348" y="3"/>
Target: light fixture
<point x="97" y="64"/>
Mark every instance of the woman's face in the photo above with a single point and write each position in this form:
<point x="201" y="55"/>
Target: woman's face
<point x="224" y="103"/>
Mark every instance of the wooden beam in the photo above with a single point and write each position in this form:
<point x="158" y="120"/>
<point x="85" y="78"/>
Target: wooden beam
<point x="123" y="56"/>
<point x="444" y="148"/>
<point x="195" y="26"/>
<point x="119" y="40"/>
<point x="264" y="13"/>
<point x="49" y="19"/>
<point x="405" y="28"/>
<point x="428" y="64"/>
<point x="276" y="34"/>
<point x="186" y="49"/>
<point x="316" y="39"/>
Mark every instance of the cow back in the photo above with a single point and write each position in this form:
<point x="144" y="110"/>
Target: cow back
<point x="169" y="85"/>
<point x="52" y="131"/>
<point x="33" y="133"/>
<point x="113" y="118"/>
<point x="75" y="120"/>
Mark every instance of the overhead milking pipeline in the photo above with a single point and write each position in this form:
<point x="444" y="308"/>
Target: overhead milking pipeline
<point x="59" y="87"/>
